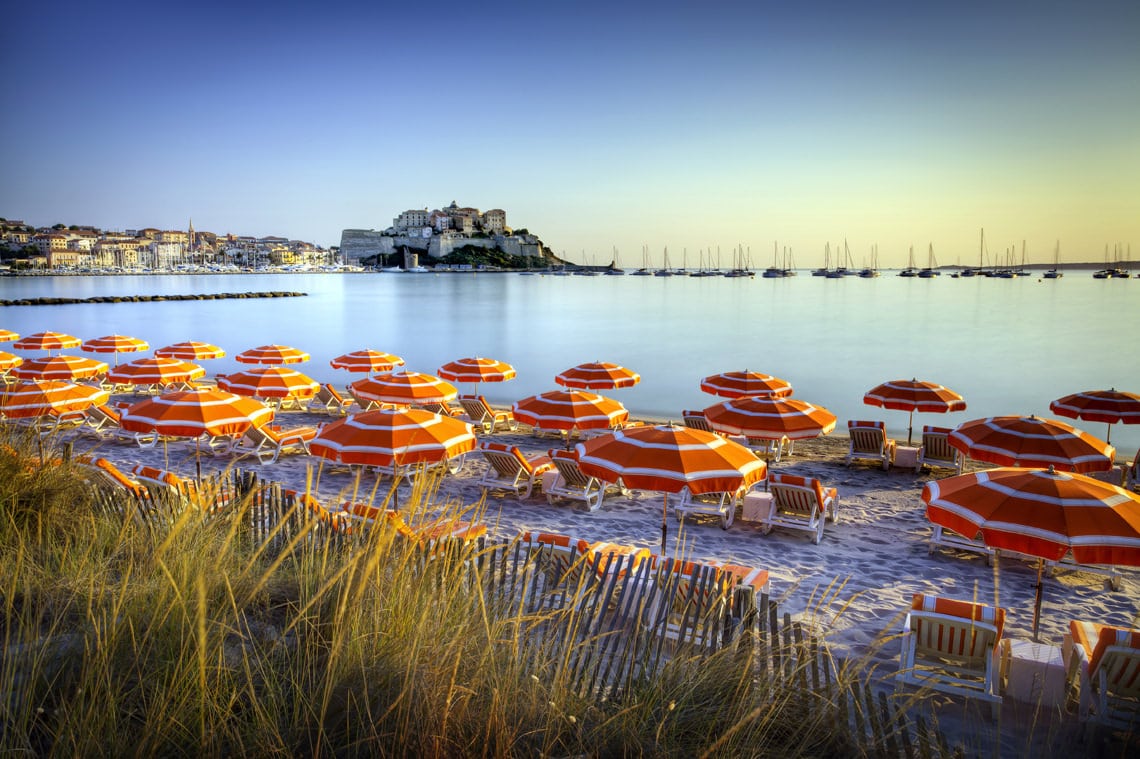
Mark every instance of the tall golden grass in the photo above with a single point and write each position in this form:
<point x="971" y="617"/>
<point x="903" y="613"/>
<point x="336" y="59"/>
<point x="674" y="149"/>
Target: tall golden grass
<point x="195" y="640"/>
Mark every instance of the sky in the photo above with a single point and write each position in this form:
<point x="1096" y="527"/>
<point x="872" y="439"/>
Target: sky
<point x="633" y="126"/>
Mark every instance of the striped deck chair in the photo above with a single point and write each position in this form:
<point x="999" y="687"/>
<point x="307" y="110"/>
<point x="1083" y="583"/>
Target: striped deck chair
<point x="425" y="534"/>
<point x="696" y="596"/>
<point x="937" y="451"/>
<point x="103" y="472"/>
<point x="1132" y="475"/>
<point x="211" y="495"/>
<point x="103" y="423"/>
<point x="559" y="560"/>
<point x="800" y="503"/>
<point x="1104" y="662"/>
<point x="329" y="400"/>
<point x="696" y="420"/>
<point x="484" y="417"/>
<point x="269" y="441"/>
<point x="509" y="469"/>
<point x="869" y="441"/>
<point x="573" y="483"/>
<point x="954" y="647"/>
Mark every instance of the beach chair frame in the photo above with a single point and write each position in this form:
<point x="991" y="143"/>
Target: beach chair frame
<point x="485" y="418"/>
<point x="800" y="503"/>
<point x="574" y="484"/>
<point x="954" y="647"/>
<point x="936" y="451"/>
<point x="267" y="442"/>
<point x="868" y="441"/>
<point x="509" y="469"/>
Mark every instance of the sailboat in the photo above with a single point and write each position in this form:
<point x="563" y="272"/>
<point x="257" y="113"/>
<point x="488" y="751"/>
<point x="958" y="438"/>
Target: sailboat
<point x="968" y="272"/>
<point x="644" y="270"/>
<point x="1054" y="273"/>
<point x="615" y="265"/>
<point x="826" y="268"/>
<point x="776" y="271"/>
<point x="664" y="271"/>
<point x="873" y="269"/>
<point x="740" y="266"/>
<point x="910" y="270"/>
<point x="929" y="271"/>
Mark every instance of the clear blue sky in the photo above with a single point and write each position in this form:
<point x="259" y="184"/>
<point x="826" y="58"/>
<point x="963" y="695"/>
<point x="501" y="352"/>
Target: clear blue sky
<point x="597" y="125"/>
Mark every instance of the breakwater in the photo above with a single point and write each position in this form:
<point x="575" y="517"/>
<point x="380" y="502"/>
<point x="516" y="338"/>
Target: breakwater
<point x="147" y="298"/>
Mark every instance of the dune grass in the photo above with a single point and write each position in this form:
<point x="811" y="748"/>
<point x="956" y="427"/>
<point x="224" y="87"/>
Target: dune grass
<point x="196" y="640"/>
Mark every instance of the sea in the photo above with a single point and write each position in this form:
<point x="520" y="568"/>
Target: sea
<point x="1008" y="346"/>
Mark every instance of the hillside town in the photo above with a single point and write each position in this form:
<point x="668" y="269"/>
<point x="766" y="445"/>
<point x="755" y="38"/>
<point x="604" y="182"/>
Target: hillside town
<point x="85" y="249"/>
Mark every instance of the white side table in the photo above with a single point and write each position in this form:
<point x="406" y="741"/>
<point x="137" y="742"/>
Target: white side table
<point x="1036" y="674"/>
<point x="548" y="479"/>
<point x="756" y="506"/>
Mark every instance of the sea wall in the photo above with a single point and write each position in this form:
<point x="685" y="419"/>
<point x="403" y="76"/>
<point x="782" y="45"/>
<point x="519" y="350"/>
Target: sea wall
<point x="146" y="298"/>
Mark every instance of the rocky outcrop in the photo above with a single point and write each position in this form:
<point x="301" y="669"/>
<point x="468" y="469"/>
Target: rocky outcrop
<point x="146" y="298"/>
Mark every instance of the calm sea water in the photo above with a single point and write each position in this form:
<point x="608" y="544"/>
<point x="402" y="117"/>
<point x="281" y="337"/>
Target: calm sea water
<point x="1009" y="346"/>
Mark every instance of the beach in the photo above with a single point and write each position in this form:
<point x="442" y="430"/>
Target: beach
<point x="853" y="588"/>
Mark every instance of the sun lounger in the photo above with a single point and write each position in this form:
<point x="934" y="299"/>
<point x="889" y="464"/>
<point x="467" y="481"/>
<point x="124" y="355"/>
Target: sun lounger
<point x="485" y="418"/>
<point x="1104" y="663"/>
<point x="722" y="505"/>
<point x="430" y="534"/>
<point x="937" y="451"/>
<point x="572" y="483"/>
<point x="200" y="496"/>
<point x="103" y="472"/>
<point x="329" y="400"/>
<point x="695" y="598"/>
<point x="800" y="503"/>
<point x="696" y="420"/>
<point x="868" y="441"/>
<point x="562" y="565"/>
<point x="443" y="408"/>
<point x="509" y="469"/>
<point x="1132" y="476"/>
<point x="103" y="423"/>
<point x="954" y="647"/>
<point x="268" y="442"/>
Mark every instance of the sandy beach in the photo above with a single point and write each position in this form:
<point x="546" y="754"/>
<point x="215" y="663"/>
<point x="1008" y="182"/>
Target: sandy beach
<point x="853" y="587"/>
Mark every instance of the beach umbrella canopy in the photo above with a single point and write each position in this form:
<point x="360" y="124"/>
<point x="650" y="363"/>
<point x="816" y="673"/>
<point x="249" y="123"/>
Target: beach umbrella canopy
<point x="914" y="395"/>
<point x="598" y="375"/>
<point x="1042" y="513"/>
<point x="393" y="437"/>
<point x="270" y="382"/>
<point x="46" y="341"/>
<point x="368" y="360"/>
<point x="9" y="361"/>
<point x="44" y="397"/>
<point x="745" y="383"/>
<point x="190" y="351"/>
<point x="155" y="371"/>
<point x="569" y="410"/>
<point x="1029" y="441"/>
<point x="770" y="418"/>
<point x="6" y="335"/>
<point x="60" y="368"/>
<point x="115" y="344"/>
<point x="477" y="370"/>
<point x="404" y="388"/>
<point x="1109" y="406"/>
<point x="669" y="458"/>
<point x="272" y="355"/>
<point x="193" y="413"/>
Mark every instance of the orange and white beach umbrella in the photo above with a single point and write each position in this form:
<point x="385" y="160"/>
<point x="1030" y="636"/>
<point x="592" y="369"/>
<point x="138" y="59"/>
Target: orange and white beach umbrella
<point x="273" y="355"/>
<point x="60" y="368"/>
<point x="393" y="437"/>
<point x="41" y="397"/>
<point x="9" y="361"/>
<point x="570" y="410"/>
<point x="46" y="341"/>
<point x="404" y="388"/>
<point x="598" y="375"/>
<point x="7" y="335"/>
<point x="668" y="459"/>
<point x="190" y="351"/>
<point x="770" y="418"/>
<point x="115" y="344"/>
<point x="744" y="384"/>
<point x="270" y="382"/>
<point x="914" y="395"/>
<point x="1109" y="406"/>
<point x="371" y="361"/>
<point x="1042" y="513"/>
<point x="1029" y="441"/>
<point x="155" y="371"/>
<point x="477" y="370"/>
<point x="193" y="413"/>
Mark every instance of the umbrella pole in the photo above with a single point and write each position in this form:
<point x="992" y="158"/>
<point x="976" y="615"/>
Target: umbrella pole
<point x="664" y="522"/>
<point x="1038" y="599"/>
<point x="910" y="429"/>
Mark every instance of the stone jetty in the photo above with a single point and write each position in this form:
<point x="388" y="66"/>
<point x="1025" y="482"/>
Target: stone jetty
<point x="146" y="298"/>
